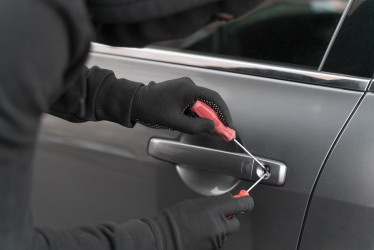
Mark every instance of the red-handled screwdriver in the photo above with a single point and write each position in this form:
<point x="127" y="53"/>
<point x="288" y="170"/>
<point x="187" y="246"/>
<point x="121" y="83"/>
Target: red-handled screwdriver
<point x="246" y="192"/>
<point x="204" y="110"/>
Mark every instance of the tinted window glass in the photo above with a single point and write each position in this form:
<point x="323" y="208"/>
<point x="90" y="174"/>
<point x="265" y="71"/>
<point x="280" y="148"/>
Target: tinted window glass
<point x="279" y="32"/>
<point x="353" y="49"/>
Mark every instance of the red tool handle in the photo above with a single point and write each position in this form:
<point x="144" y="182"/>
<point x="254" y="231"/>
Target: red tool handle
<point x="205" y="111"/>
<point x="228" y="134"/>
<point x="242" y="193"/>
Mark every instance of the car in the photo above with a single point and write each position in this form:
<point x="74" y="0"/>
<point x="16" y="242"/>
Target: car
<point x="296" y="76"/>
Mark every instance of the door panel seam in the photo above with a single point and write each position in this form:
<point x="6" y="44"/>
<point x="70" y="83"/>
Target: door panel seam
<point x="329" y="153"/>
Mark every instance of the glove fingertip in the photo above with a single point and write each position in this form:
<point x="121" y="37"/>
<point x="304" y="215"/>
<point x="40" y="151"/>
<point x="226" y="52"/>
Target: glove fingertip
<point x="248" y="203"/>
<point x="233" y="225"/>
<point x="237" y="205"/>
<point x="228" y="194"/>
<point x="210" y="127"/>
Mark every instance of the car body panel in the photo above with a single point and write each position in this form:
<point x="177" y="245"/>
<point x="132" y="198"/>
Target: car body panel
<point x="342" y="207"/>
<point x="310" y="115"/>
<point x="87" y="173"/>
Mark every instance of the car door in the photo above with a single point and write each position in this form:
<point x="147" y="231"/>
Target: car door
<point x="340" y="211"/>
<point x="286" y="110"/>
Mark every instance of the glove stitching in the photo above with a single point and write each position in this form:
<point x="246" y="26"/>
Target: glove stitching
<point x="97" y="91"/>
<point x="213" y="105"/>
<point x="216" y="109"/>
<point x="155" y="126"/>
<point x="210" y="103"/>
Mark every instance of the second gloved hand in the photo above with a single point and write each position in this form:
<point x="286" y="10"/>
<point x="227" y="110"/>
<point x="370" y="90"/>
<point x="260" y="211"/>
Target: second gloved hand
<point x="198" y="224"/>
<point x="163" y="105"/>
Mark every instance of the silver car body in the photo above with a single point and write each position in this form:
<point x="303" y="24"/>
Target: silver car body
<point x="318" y="124"/>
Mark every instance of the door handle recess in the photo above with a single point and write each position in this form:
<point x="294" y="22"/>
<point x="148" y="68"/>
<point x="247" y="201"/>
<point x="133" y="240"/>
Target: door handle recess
<point x="223" y="162"/>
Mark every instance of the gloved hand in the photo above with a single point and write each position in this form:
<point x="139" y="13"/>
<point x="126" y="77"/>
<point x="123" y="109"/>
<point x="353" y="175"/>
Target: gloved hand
<point x="198" y="224"/>
<point x="163" y="105"/>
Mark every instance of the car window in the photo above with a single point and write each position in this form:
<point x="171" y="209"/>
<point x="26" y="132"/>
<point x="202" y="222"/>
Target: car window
<point x="283" y="32"/>
<point x="353" y="50"/>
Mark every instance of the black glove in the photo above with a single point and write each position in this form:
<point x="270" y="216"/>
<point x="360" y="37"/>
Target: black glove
<point x="164" y="105"/>
<point x="198" y="224"/>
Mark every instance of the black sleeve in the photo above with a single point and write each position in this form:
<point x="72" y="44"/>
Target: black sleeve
<point x="133" y="235"/>
<point x="97" y="95"/>
<point x="43" y="45"/>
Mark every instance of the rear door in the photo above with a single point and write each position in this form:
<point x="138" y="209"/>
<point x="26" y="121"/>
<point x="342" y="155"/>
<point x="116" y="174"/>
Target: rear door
<point x="267" y="67"/>
<point x="340" y="212"/>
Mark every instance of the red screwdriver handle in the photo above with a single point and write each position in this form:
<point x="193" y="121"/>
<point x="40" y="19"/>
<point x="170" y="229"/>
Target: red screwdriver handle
<point x="228" y="134"/>
<point x="242" y="193"/>
<point x="205" y="111"/>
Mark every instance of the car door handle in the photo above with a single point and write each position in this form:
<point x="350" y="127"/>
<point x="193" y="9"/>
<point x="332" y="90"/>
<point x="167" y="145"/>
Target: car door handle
<point x="223" y="162"/>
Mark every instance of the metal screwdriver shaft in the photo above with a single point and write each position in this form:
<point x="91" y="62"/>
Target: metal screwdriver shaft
<point x="254" y="158"/>
<point x="228" y="134"/>
<point x="258" y="181"/>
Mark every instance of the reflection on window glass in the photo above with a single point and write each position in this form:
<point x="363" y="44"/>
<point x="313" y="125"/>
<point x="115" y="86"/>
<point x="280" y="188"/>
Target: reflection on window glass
<point x="278" y="32"/>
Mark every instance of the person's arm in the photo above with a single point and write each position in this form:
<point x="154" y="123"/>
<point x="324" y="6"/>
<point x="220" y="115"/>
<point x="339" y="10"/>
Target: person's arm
<point x="132" y="235"/>
<point x="199" y="224"/>
<point x="37" y="49"/>
<point x="99" y="95"/>
<point x="44" y="45"/>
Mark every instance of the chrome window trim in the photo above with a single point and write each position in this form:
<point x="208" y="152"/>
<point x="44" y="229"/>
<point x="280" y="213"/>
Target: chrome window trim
<point x="237" y="66"/>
